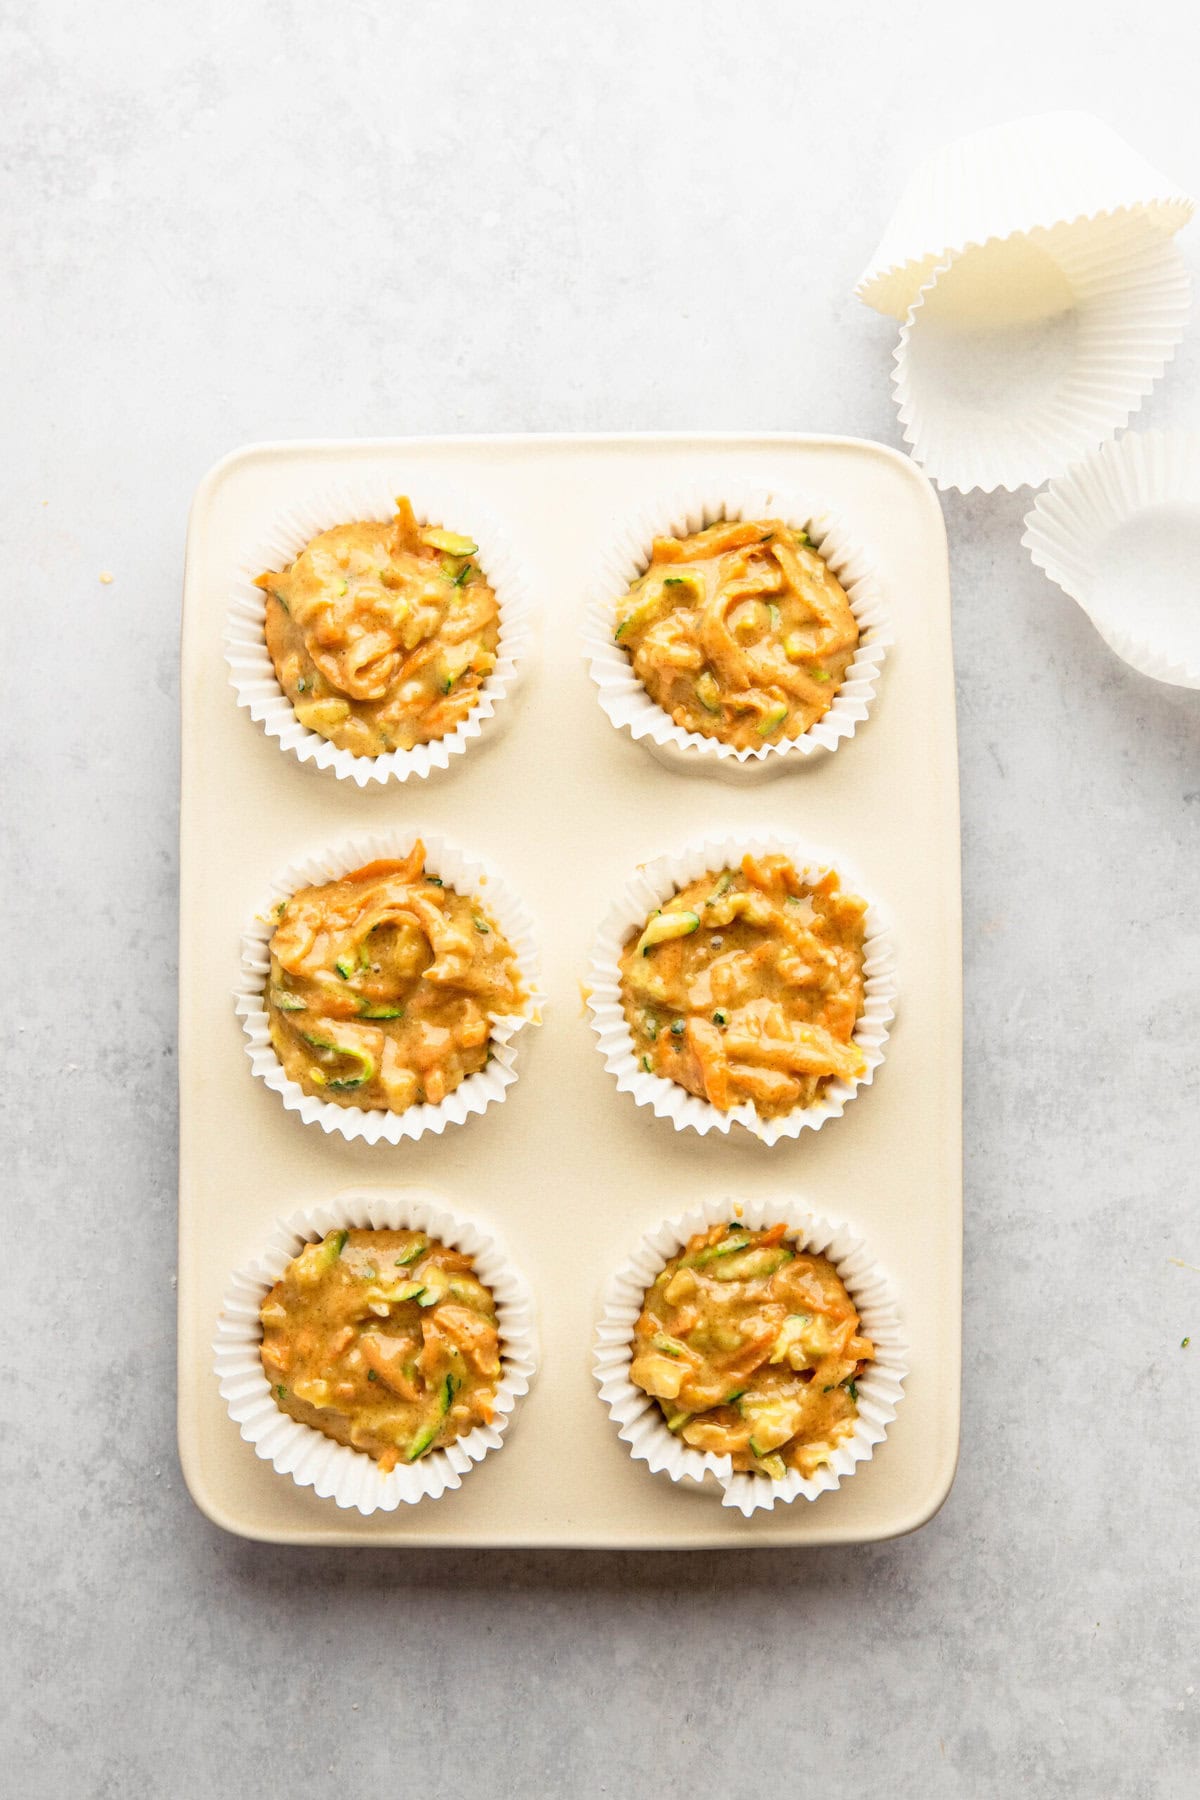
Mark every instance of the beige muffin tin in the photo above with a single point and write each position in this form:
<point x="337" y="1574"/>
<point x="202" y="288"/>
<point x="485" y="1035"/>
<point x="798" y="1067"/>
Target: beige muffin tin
<point x="568" y="1171"/>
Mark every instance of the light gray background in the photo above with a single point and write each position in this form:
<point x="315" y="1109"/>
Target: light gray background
<point x="238" y="221"/>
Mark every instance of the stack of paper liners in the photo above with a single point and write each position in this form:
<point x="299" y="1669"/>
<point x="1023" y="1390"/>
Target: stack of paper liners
<point x="1040" y="293"/>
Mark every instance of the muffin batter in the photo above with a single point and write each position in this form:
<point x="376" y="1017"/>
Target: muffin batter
<point x="382" y="633"/>
<point x="383" y="986"/>
<point x="752" y="1349"/>
<point x="383" y="1340"/>
<point x="739" y="632"/>
<point x="747" y="986"/>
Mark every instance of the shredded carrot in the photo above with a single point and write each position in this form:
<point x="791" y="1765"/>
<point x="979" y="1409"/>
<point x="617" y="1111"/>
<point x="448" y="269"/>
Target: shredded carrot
<point x="756" y="1352"/>
<point x="715" y="540"/>
<point x="765" y="1087"/>
<point x="455" y="1259"/>
<point x="763" y="873"/>
<point x="432" y="1351"/>
<point x="448" y="712"/>
<point x="405" y="522"/>
<point x="708" y="1048"/>
<point x="474" y="1336"/>
<point x="405" y="869"/>
<point x="388" y="1369"/>
<point x="416" y="660"/>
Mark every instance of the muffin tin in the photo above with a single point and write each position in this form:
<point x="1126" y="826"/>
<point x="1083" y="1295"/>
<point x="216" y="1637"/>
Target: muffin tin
<point x="567" y="1172"/>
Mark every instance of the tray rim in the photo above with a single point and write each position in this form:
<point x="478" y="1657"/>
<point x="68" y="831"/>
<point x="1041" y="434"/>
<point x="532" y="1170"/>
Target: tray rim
<point x="441" y="1537"/>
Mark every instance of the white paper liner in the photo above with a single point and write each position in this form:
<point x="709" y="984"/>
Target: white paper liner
<point x="349" y="1477"/>
<point x="657" y="882"/>
<point x="371" y="494"/>
<point x="625" y="700"/>
<point x="996" y="389"/>
<point x="467" y="875"/>
<point x="638" y="1417"/>
<point x="1015" y="177"/>
<point x="1120" y="533"/>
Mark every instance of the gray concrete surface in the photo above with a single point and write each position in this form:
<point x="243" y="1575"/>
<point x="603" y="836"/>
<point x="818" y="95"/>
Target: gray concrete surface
<point x="240" y="221"/>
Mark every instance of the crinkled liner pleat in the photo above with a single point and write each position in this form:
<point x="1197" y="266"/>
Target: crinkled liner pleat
<point x="1077" y="515"/>
<point x="349" y="1477"/>
<point x="622" y="695"/>
<point x="639" y="1419"/>
<point x="655" y="883"/>
<point x="466" y="874"/>
<point x="358" y="495"/>
<point x="1132" y="294"/>
<point x="1054" y="169"/>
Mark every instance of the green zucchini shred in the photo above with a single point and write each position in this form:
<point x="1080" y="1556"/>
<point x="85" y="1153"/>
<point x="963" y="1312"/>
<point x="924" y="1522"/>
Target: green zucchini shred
<point x="421" y="1442"/>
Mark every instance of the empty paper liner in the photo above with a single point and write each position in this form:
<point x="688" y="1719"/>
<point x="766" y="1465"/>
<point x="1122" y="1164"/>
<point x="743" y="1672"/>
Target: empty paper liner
<point x="1120" y="533"/>
<point x="1013" y="178"/>
<point x="1042" y="297"/>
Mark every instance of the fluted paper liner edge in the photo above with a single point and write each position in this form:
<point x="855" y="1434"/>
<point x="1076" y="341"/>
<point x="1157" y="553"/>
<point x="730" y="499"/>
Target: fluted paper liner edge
<point x="1131" y="296"/>
<point x="626" y="702"/>
<point x="352" y="1478"/>
<point x="1075" y="516"/>
<point x="1063" y="167"/>
<point x="638" y="1417"/>
<point x="358" y="496"/>
<point x="467" y="875"/>
<point x="656" y="882"/>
